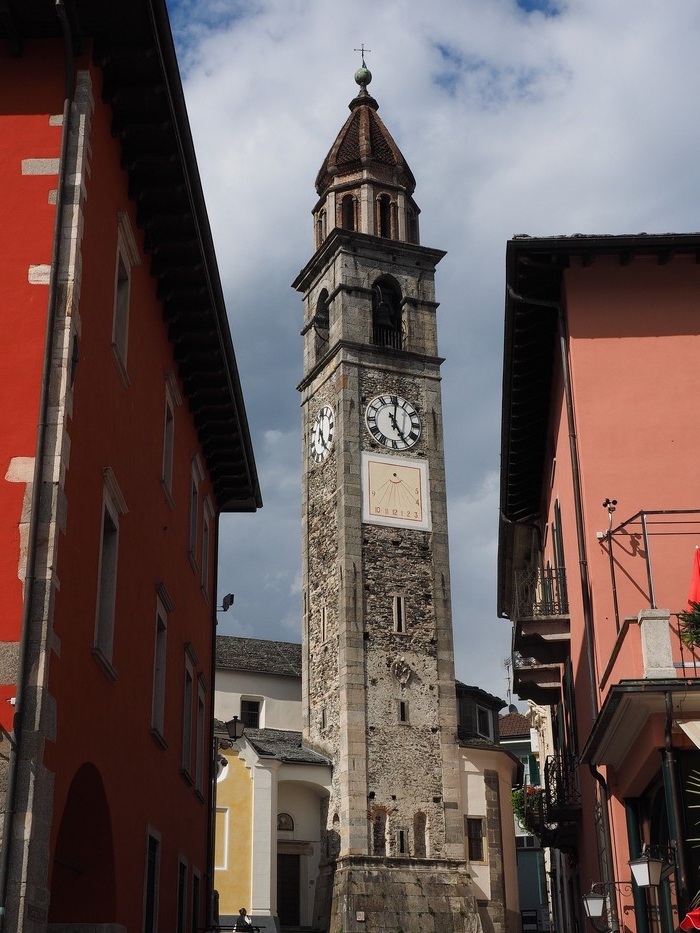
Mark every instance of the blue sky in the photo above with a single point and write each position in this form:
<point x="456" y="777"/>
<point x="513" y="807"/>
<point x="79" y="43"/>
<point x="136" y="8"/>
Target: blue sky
<point x="532" y="117"/>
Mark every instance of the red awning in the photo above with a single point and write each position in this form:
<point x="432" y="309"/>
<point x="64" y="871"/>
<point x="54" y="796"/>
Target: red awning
<point x="694" y="591"/>
<point x="691" y="920"/>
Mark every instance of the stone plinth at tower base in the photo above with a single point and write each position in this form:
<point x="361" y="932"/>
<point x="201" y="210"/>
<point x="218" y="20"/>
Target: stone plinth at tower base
<point x="402" y="895"/>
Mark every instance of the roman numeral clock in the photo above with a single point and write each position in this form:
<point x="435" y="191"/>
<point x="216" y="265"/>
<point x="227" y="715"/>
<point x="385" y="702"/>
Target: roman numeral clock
<point x="378" y="690"/>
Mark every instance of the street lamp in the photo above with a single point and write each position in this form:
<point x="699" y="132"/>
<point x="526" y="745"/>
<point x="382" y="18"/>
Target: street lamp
<point x="235" y="728"/>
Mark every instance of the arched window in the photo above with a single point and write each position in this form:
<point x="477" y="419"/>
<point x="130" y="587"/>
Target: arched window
<point x="386" y="314"/>
<point x="384" y="215"/>
<point x="412" y="225"/>
<point x="321" y="324"/>
<point x="320" y="227"/>
<point x="348" y="212"/>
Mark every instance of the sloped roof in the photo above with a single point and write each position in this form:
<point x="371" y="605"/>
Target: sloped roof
<point x="365" y="144"/>
<point x="258" y="655"/>
<point x="286" y="746"/>
<point x="512" y="725"/>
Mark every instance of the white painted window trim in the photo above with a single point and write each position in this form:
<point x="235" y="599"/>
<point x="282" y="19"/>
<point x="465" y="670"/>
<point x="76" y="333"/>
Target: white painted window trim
<point x="173" y="399"/>
<point x="207" y="547"/>
<point x="113" y="505"/>
<point x="196" y="477"/>
<point x="164" y="607"/>
<point x="127" y="257"/>
<point x="152" y="833"/>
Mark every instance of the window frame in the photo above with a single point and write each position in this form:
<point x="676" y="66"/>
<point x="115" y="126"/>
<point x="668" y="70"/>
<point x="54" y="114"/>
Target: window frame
<point x="127" y="257"/>
<point x="181" y="894"/>
<point x="196" y="477"/>
<point x="164" y="606"/>
<point x="245" y="715"/>
<point x="200" y="740"/>
<point x="113" y="506"/>
<point x="173" y="400"/>
<point x="188" y="708"/>
<point x="474" y="853"/>
<point x="151" y="896"/>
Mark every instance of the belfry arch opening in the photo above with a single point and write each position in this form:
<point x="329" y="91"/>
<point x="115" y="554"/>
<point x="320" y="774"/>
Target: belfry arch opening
<point x="321" y="323"/>
<point x="384" y="216"/>
<point x="386" y="314"/>
<point x="348" y="218"/>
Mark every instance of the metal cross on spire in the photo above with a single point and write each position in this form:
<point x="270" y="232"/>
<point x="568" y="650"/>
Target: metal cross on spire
<point x="362" y="50"/>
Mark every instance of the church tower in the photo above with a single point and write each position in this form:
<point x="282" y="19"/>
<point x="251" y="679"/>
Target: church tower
<point x="378" y="665"/>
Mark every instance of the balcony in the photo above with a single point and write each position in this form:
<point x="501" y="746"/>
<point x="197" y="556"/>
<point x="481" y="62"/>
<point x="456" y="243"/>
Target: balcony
<point x="552" y="812"/>
<point x="534" y="681"/>
<point x="541" y="623"/>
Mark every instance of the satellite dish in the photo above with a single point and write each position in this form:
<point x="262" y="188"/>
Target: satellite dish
<point x="512" y="708"/>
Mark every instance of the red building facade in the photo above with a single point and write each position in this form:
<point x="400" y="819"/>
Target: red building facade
<point x="124" y="436"/>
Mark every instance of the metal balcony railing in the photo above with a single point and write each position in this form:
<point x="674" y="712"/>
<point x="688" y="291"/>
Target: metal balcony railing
<point x="540" y="593"/>
<point x="561" y="787"/>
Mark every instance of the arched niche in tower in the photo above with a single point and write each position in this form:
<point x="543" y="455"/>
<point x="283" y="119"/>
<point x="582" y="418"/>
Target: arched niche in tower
<point x="321" y="322"/>
<point x="321" y="227"/>
<point x="386" y="217"/>
<point x="348" y="212"/>
<point x="386" y="313"/>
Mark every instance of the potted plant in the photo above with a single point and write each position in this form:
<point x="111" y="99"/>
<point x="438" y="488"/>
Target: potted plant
<point x="689" y="627"/>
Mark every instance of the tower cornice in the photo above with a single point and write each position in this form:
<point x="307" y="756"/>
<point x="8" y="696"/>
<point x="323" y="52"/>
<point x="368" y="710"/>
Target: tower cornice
<point x="355" y="242"/>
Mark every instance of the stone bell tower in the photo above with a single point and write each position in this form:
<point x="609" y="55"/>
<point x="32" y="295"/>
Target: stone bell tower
<point x="378" y="666"/>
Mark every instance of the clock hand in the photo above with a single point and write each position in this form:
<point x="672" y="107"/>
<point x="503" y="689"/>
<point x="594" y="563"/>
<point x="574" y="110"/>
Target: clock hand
<point x="395" y="426"/>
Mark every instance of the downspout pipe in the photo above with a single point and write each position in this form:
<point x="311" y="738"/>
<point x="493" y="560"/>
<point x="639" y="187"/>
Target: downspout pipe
<point x="23" y="665"/>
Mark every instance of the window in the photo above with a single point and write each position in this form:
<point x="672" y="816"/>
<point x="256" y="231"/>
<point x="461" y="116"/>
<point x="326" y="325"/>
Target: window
<point x="196" y="899"/>
<point x="403" y="710"/>
<point x="386" y="314"/>
<point x="403" y="841"/>
<point x="195" y="479"/>
<point x="151" y="882"/>
<point x="348" y="212"/>
<point x="201" y="737"/>
<point x="484" y="722"/>
<point x="163" y="607"/>
<point x="475" y="838"/>
<point x="127" y="257"/>
<point x="384" y="215"/>
<point x="324" y="718"/>
<point x="172" y="400"/>
<point x="113" y="505"/>
<point x="188" y="710"/>
<point x="250" y="713"/>
<point x="400" y="614"/>
<point x="207" y="517"/>
<point x="324" y="621"/>
<point x="181" y="895"/>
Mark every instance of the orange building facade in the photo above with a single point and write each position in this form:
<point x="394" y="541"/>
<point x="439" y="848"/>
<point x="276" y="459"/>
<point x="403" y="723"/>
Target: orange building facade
<point x="600" y="524"/>
<point x="124" y="436"/>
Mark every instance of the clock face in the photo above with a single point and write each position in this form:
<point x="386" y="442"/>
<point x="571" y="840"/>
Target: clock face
<point x="393" y="422"/>
<point x="395" y="491"/>
<point x="322" y="434"/>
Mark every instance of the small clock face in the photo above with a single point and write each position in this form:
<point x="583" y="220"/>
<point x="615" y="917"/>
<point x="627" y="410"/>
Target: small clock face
<point x="322" y="434"/>
<point x="393" y="422"/>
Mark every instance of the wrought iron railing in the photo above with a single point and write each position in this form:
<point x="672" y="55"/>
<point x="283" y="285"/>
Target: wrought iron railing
<point x="561" y="787"/>
<point x="386" y="337"/>
<point x="540" y="593"/>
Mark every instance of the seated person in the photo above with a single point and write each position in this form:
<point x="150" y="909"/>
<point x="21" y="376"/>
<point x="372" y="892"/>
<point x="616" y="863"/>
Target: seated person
<point x="243" y="921"/>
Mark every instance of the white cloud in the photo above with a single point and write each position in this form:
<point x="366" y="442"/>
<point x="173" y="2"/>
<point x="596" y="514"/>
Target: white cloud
<point x="512" y="122"/>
